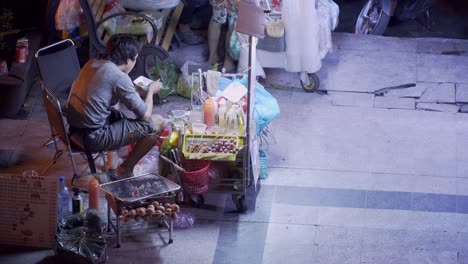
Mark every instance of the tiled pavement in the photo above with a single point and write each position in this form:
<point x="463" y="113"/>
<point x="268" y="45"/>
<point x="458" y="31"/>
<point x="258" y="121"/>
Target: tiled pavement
<point x="346" y="184"/>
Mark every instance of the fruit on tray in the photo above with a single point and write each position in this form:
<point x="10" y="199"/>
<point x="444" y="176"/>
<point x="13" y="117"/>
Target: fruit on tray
<point x="221" y="146"/>
<point x="154" y="209"/>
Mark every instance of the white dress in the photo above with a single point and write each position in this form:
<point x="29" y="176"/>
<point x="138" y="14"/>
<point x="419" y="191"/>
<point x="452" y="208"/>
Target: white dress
<point x="302" y="36"/>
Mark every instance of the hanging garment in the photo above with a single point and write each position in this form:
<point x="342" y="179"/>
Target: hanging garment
<point x="302" y="36"/>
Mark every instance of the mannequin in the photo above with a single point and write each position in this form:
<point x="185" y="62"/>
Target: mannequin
<point x="221" y="10"/>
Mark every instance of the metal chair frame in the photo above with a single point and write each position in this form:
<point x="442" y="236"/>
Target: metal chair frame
<point x="56" y="81"/>
<point x="59" y="130"/>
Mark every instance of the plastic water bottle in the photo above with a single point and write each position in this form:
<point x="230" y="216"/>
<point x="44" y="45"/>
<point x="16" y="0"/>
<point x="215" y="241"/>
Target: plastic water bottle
<point x="63" y="199"/>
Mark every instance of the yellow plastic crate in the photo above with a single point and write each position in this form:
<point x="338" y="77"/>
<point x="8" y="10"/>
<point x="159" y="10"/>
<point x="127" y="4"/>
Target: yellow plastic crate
<point x="193" y="145"/>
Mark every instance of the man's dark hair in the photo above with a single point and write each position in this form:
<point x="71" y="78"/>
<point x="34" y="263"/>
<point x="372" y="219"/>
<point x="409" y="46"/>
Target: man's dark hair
<point x="121" y="47"/>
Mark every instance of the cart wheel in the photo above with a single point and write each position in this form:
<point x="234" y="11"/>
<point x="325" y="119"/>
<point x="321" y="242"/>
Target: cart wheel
<point x="196" y="200"/>
<point x="239" y="201"/>
<point x="314" y="83"/>
<point x="171" y="240"/>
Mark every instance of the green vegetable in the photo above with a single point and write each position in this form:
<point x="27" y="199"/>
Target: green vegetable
<point x="168" y="73"/>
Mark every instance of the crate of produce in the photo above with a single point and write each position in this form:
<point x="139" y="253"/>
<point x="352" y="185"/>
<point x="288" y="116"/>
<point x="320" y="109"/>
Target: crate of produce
<point x="211" y="147"/>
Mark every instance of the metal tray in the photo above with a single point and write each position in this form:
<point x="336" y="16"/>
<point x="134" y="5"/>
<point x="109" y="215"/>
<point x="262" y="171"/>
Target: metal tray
<point x="148" y="185"/>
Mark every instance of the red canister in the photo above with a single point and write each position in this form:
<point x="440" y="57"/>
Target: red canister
<point x="22" y="46"/>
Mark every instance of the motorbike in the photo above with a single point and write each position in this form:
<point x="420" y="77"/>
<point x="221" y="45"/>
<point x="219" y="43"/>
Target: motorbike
<point x="375" y="15"/>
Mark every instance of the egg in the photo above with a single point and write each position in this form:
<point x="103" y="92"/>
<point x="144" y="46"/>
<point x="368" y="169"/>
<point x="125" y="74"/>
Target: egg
<point x="175" y="208"/>
<point x="150" y="211"/>
<point x="131" y="213"/>
<point x="141" y="211"/>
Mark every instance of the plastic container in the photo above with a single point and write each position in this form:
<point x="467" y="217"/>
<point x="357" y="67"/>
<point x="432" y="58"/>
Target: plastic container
<point x="196" y="140"/>
<point x="221" y="114"/>
<point x="178" y="115"/>
<point x="210" y="110"/>
<point x="198" y="128"/>
<point x="196" y="115"/>
<point x="93" y="191"/>
<point x="63" y="199"/>
<point x="195" y="177"/>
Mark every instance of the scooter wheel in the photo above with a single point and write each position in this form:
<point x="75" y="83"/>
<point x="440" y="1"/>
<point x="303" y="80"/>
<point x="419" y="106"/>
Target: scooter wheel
<point x="372" y="19"/>
<point x="313" y="85"/>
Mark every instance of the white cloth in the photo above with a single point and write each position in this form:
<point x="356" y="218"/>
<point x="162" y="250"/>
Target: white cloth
<point x="302" y="36"/>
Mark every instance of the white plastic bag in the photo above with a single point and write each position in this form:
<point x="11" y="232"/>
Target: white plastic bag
<point x="334" y="14"/>
<point x="149" y="163"/>
<point x="68" y="15"/>
<point x="184" y="83"/>
<point x="325" y="37"/>
<point x="334" y="10"/>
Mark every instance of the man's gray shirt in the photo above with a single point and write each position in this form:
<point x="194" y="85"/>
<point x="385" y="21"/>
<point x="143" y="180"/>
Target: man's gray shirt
<point x="100" y="85"/>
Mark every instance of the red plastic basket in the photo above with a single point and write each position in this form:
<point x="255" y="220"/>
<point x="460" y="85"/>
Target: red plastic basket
<point x="195" y="178"/>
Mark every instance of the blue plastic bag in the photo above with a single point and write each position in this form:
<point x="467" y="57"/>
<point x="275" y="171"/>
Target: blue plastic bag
<point x="234" y="49"/>
<point x="266" y="108"/>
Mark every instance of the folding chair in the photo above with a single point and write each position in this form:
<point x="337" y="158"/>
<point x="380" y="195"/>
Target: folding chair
<point x="58" y="65"/>
<point x="74" y="144"/>
<point x="58" y="68"/>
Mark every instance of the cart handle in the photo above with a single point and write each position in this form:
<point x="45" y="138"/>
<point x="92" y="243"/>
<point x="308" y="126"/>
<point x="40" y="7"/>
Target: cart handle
<point x="172" y="163"/>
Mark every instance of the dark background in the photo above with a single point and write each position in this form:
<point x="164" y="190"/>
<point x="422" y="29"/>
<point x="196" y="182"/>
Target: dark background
<point x="450" y="20"/>
<point x="27" y="13"/>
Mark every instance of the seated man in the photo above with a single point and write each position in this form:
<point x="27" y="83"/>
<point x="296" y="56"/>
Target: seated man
<point x="101" y="84"/>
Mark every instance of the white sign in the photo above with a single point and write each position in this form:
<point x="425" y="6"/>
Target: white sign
<point x="29" y="210"/>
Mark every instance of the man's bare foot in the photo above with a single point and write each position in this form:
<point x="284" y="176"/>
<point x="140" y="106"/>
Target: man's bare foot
<point x="123" y="172"/>
<point x="213" y="60"/>
<point x="229" y="65"/>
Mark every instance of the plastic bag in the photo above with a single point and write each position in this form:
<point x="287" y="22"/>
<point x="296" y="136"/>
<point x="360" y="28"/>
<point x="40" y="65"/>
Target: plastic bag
<point x="334" y="14"/>
<point x="266" y="108"/>
<point x="184" y="220"/>
<point x="333" y="9"/>
<point x="68" y="15"/>
<point x="184" y="83"/>
<point x="234" y="45"/>
<point x="325" y="37"/>
<point x="149" y="163"/>
<point x="168" y="73"/>
<point x="80" y="236"/>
